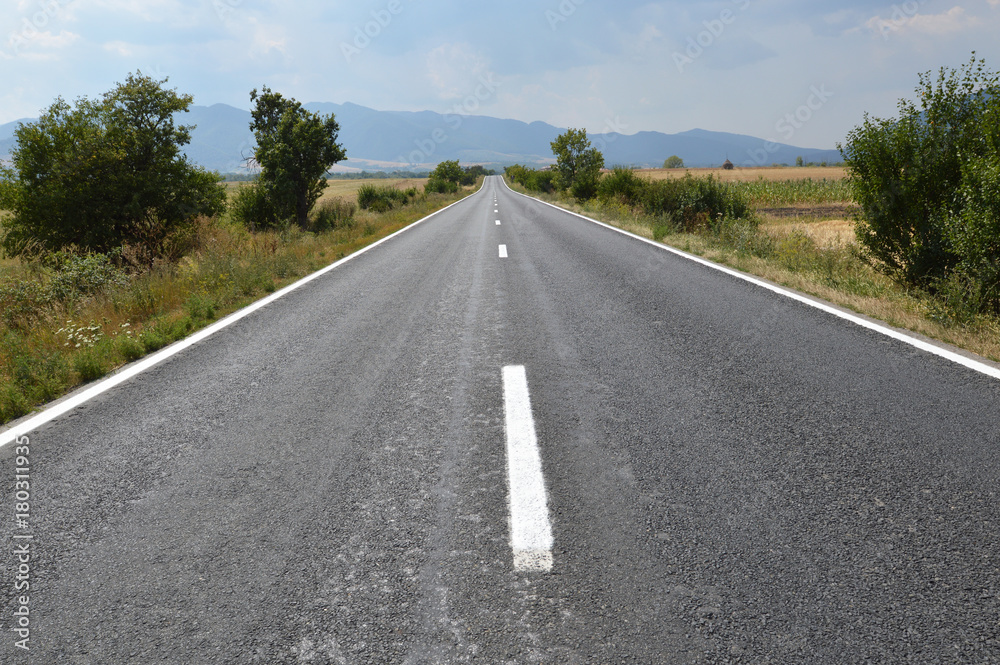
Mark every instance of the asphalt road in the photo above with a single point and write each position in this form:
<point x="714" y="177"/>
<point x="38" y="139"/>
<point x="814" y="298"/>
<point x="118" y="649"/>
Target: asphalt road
<point x="730" y="476"/>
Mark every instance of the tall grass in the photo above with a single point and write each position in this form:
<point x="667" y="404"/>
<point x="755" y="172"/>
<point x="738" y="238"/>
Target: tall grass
<point x="73" y="321"/>
<point x="773" y="193"/>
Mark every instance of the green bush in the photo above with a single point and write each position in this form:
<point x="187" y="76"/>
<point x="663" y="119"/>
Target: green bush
<point x="332" y="214"/>
<point x="694" y="203"/>
<point x="382" y="198"/>
<point x="449" y="171"/>
<point x="531" y="179"/>
<point x="64" y="278"/>
<point x="23" y="301"/>
<point x="914" y="176"/>
<point x="622" y="185"/>
<point x="439" y="186"/>
<point x="253" y="208"/>
<point x="81" y="275"/>
<point x="90" y="364"/>
<point x="974" y="234"/>
<point x="107" y="173"/>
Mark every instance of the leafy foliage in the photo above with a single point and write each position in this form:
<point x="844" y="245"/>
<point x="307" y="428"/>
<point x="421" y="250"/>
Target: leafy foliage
<point x="673" y="162"/>
<point x="295" y="147"/>
<point x="578" y="164"/>
<point x="255" y="209"/>
<point x="65" y="279"/>
<point x="532" y="179"/>
<point x="974" y="234"/>
<point x="915" y="177"/>
<point x="449" y="176"/>
<point x="623" y="185"/>
<point x="383" y="198"/>
<point x="104" y="174"/>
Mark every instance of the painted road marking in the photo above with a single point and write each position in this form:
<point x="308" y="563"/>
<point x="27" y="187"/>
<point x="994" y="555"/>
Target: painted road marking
<point x="503" y="251"/>
<point x="530" y="530"/>
<point x="498" y="222"/>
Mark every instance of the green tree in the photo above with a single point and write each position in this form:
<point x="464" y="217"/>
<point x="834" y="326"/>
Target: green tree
<point x="799" y="161"/>
<point x="910" y="174"/>
<point x="673" y="162"/>
<point x="295" y="148"/>
<point x="104" y="174"/>
<point x="578" y="164"/>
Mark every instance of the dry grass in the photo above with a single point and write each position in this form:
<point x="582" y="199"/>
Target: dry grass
<point x="751" y="174"/>
<point x="828" y="232"/>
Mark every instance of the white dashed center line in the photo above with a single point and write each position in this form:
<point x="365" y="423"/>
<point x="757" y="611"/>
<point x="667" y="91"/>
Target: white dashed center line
<point x="503" y="251"/>
<point x="530" y="530"/>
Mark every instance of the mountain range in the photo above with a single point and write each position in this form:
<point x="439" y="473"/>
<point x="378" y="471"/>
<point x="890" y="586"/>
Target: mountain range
<point x="391" y="140"/>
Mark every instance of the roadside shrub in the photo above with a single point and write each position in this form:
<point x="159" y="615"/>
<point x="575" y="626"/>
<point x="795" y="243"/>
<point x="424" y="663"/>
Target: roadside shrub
<point x="584" y="187"/>
<point x="974" y="234"/>
<point x="694" y="203"/>
<point x="440" y="186"/>
<point x="333" y="213"/>
<point x="254" y="209"/>
<point x="907" y="175"/>
<point x="382" y="198"/>
<point x="104" y="173"/>
<point x="531" y="179"/>
<point x="81" y="275"/>
<point x="623" y="185"/>
<point x="65" y="278"/>
<point x="90" y="364"/>
<point x="22" y="302"/>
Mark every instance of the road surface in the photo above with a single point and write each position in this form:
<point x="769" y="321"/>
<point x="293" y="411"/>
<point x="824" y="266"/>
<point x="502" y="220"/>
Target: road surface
<point x="509" y="435"/>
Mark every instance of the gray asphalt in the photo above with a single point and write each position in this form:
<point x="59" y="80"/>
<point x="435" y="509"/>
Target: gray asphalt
<point x="733" y="477"/>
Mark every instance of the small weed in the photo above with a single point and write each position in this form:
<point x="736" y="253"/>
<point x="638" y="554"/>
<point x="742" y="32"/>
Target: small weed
<point x="90" y="364"/>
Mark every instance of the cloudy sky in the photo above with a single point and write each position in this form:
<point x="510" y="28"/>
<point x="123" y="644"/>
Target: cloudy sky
<point x="801" y="72"/>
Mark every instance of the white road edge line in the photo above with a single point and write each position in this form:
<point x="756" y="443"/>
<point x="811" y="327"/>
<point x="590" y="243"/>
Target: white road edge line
<point x="530" y="530"/>
<point x="965" y="361"/>
<point x="9" y="435"/>
<point x="503" y="251"/>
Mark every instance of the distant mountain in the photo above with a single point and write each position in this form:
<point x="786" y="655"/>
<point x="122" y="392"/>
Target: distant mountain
<point x="379" y="140"/>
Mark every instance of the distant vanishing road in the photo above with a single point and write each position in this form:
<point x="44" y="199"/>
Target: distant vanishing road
<point x="510" y="435"/>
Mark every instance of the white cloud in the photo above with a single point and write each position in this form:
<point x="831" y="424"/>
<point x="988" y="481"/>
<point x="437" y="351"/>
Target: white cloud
<point x="952" y="22"/>
<point x="650" y="34"/>
<point x="121" y="49"/>
<point x="454" y="70"/>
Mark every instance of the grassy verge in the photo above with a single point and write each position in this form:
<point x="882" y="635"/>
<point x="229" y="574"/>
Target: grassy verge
<point x="805" y="241"/>
<point x="61" y="328"/>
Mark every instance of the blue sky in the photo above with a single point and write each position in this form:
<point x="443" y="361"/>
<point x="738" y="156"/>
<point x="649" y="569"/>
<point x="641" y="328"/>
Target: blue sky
<point x="800" y="72"/>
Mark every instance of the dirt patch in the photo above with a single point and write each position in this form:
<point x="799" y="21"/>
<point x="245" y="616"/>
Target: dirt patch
<point x="825" y="211"/>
